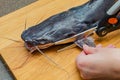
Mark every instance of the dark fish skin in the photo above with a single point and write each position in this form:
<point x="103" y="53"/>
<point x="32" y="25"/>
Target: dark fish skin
<point x="67" y="23"/>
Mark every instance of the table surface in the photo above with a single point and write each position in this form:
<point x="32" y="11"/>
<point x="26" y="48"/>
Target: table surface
<point x="37" y="67"/>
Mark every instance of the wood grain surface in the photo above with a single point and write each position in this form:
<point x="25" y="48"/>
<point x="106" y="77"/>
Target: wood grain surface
<point x="37" y="67"/>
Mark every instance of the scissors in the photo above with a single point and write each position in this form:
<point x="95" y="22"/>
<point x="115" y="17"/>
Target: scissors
<point x="109" y="23"/>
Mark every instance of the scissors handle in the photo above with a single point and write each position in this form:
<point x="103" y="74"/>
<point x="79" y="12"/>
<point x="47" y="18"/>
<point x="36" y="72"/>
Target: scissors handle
<point x="110" y="22"/>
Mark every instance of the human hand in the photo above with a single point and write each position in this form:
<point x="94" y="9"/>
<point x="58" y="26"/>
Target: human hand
<point x="99" y="62"/>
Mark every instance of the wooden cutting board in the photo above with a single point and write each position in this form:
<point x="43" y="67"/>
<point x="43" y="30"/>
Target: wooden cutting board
<point x="37" y="67"/>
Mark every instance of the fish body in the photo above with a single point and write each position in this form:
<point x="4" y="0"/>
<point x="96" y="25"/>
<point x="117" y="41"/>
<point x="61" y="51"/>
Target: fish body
<point x="66" y="24"/>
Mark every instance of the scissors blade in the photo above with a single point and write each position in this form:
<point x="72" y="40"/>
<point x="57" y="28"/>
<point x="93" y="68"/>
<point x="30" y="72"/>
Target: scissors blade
<point x="73" y="38"/>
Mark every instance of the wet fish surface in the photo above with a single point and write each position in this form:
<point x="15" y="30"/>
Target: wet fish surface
<point x="66" y="24"/>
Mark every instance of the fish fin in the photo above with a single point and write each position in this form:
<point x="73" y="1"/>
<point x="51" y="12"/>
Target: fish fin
<point x="85" y="41"/>
<point x="67" y="47"/>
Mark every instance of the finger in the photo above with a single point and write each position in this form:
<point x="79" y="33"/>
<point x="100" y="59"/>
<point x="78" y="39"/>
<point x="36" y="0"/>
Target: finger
<point x="84" y="60"/>
<point x="111" y="46"/>
<point x="99" y="46"/>
<point x="89" y="50"/>
<point x="80" y="60"/>
<point x="82" y="53"/>
<point x="85" y="75"/>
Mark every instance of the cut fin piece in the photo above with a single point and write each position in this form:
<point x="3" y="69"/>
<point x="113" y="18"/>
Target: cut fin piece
<point x="80" y="42"/>
<point x="85" y="41"/>
<point x="67" y="47"/>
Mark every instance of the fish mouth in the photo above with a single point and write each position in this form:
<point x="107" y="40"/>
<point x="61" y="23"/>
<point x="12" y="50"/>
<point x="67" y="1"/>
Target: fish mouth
<point x="32" y="48"/>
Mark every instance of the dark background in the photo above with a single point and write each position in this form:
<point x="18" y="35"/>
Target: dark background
<point x="7" y="6"/>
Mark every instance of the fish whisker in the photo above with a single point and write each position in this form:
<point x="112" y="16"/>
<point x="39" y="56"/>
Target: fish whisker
<point x="12" y="39"/>
<point x="25" y="23"/>
<point x="21" y="65"/>
<point x="46" y="56"/>
<point x="50" y="59"/>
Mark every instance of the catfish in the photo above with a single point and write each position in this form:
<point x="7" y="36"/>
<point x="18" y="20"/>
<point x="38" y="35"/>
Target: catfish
<point x="65" y="24"/>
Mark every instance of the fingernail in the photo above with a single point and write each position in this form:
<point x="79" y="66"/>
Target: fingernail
<point x="85" y="46"/>
<point x="111" y="46"/>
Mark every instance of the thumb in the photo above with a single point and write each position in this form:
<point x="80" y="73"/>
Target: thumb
<point x="89" y="50"/>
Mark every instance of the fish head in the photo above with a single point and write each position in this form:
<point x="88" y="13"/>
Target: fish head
<point x="46" y="37"/>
